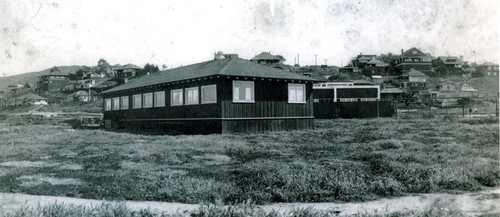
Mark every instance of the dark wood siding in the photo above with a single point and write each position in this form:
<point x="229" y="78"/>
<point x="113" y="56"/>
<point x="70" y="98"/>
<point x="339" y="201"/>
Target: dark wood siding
<point x="168" y="114"/>
<point x="270" y="111"/>
<point x="271" y="100"/>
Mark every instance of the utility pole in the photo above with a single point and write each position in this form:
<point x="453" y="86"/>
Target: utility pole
<point x="315" y="59"/>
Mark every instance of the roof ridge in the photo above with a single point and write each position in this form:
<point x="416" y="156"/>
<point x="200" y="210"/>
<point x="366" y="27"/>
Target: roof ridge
<point x="225" y="67"/>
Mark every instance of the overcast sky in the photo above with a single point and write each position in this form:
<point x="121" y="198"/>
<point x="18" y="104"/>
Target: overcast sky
<point x="39" y="34"/>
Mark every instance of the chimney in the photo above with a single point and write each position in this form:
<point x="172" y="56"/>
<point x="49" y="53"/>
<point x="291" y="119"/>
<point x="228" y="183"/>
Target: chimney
<point x="219" y="55"/>
<point x="401" y="51"/>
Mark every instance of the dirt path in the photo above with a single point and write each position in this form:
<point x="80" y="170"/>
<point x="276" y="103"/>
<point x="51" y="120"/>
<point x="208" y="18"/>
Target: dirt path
<point x="473" y="204"/>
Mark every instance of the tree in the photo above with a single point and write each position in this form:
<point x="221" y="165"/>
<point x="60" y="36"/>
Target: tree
<point x="282" y="59"/>
<point x="103" y="66"/>
<point x="148" y="69"/>
<point x="386" y="57"/>
<point x="80" y="73"/>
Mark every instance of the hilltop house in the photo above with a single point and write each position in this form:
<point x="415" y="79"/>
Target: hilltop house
<point x="448" y="65"/>
<point x="224" y="95"/>
<point x="375" y="67"/>
<point x="488" y="69"/>
<point x="412" y="59"/>
<point x="52" y="82"/>
<point x="266" y="58"/>
<point x="126" y="71"/>
<point x="362" y="59"/>
<point x="413" y="81"/>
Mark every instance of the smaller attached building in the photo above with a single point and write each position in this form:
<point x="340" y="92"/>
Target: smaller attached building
<point x="224" y="95"/>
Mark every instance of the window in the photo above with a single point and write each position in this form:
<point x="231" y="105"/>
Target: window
<point x="176" y="97"/>
<point x="192" y="96"/>
<point x="296" y="93"/>
<point x="243" y="91"/>
<point x="124" y="102"/>
<point x="209" y="94"/>
<point x="137" y="101"/>
<point x="107" y="104"/>
<point x="116" y="103"/>
<point x="147" y="100"/>
<point x="160" y="99"/>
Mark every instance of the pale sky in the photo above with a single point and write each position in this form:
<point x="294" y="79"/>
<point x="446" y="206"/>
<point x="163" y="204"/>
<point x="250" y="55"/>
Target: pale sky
<point x="39" y="34"/>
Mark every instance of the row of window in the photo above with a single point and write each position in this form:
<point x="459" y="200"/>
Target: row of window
<point x="243" y="92"/>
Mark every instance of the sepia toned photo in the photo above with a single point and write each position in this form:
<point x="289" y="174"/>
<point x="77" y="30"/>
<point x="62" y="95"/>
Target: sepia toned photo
<point x="249" y="108"/>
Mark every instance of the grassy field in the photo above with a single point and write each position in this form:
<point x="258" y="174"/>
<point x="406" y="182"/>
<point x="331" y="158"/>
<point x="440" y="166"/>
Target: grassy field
<point x="338" y="161"/>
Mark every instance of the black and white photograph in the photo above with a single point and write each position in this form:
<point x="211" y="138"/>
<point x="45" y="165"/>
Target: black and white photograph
<point x="265" y="108"/>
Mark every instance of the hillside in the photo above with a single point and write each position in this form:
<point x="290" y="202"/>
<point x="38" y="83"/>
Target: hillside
<point x="486" y="86"/>
<point x="32" y="77"/>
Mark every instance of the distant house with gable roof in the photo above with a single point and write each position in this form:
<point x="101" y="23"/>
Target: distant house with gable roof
<point x="448" y="93"/>
<point x="375" y="67"/>
<point x="449" y="65"/>
<point x="412" y="59"/>
<point x="488" y="69"/>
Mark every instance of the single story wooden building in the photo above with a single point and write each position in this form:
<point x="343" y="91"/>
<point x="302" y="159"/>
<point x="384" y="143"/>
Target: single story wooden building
<point x="224" y="95"/>
<point x="349" y="100"/>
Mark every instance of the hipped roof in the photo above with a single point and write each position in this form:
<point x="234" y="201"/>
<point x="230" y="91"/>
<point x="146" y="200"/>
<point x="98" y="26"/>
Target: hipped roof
<point x="223" y="67"/>
<point x="265" y="56"/>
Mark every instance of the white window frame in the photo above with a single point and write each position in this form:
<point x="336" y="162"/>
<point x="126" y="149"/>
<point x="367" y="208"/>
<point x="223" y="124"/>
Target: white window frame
<point x="107" y="104"/>
<point x="147" y="100"/>
<point x="204" y="90"/>
<point x="159" y="99"/>
<point x="189" y="91"/>
<point x="115" y="103"/>
<point x="236" y="92"/>
<point x="124" y="103"/>
<point x="181" y="97"/>
<point x="134" y="104"/>
<point x="295" y="88"/>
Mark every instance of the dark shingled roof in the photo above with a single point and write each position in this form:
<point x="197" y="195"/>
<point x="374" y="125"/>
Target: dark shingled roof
<point x="223" y="67"/>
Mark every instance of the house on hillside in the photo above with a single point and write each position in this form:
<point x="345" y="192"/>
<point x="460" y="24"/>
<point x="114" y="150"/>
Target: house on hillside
<point x="413" y="81"/>
<point x="29" y="99"/>
<point x="52" y="82"/>
<point x="488" y="69"/>
<point x="363" y="59"/>
<point x="448" y="93"/>
<point x="126" y="71"/>
<point x="391" y="93"/>
<point x="349" y="70"/>
<point x="224" y="95"/>
<point x="375" y="67"/>
<point x="266" y="58"/>
<point x="79" y="96"/>
<point x="448" y="65"/>
<point x="412" y="59"/>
